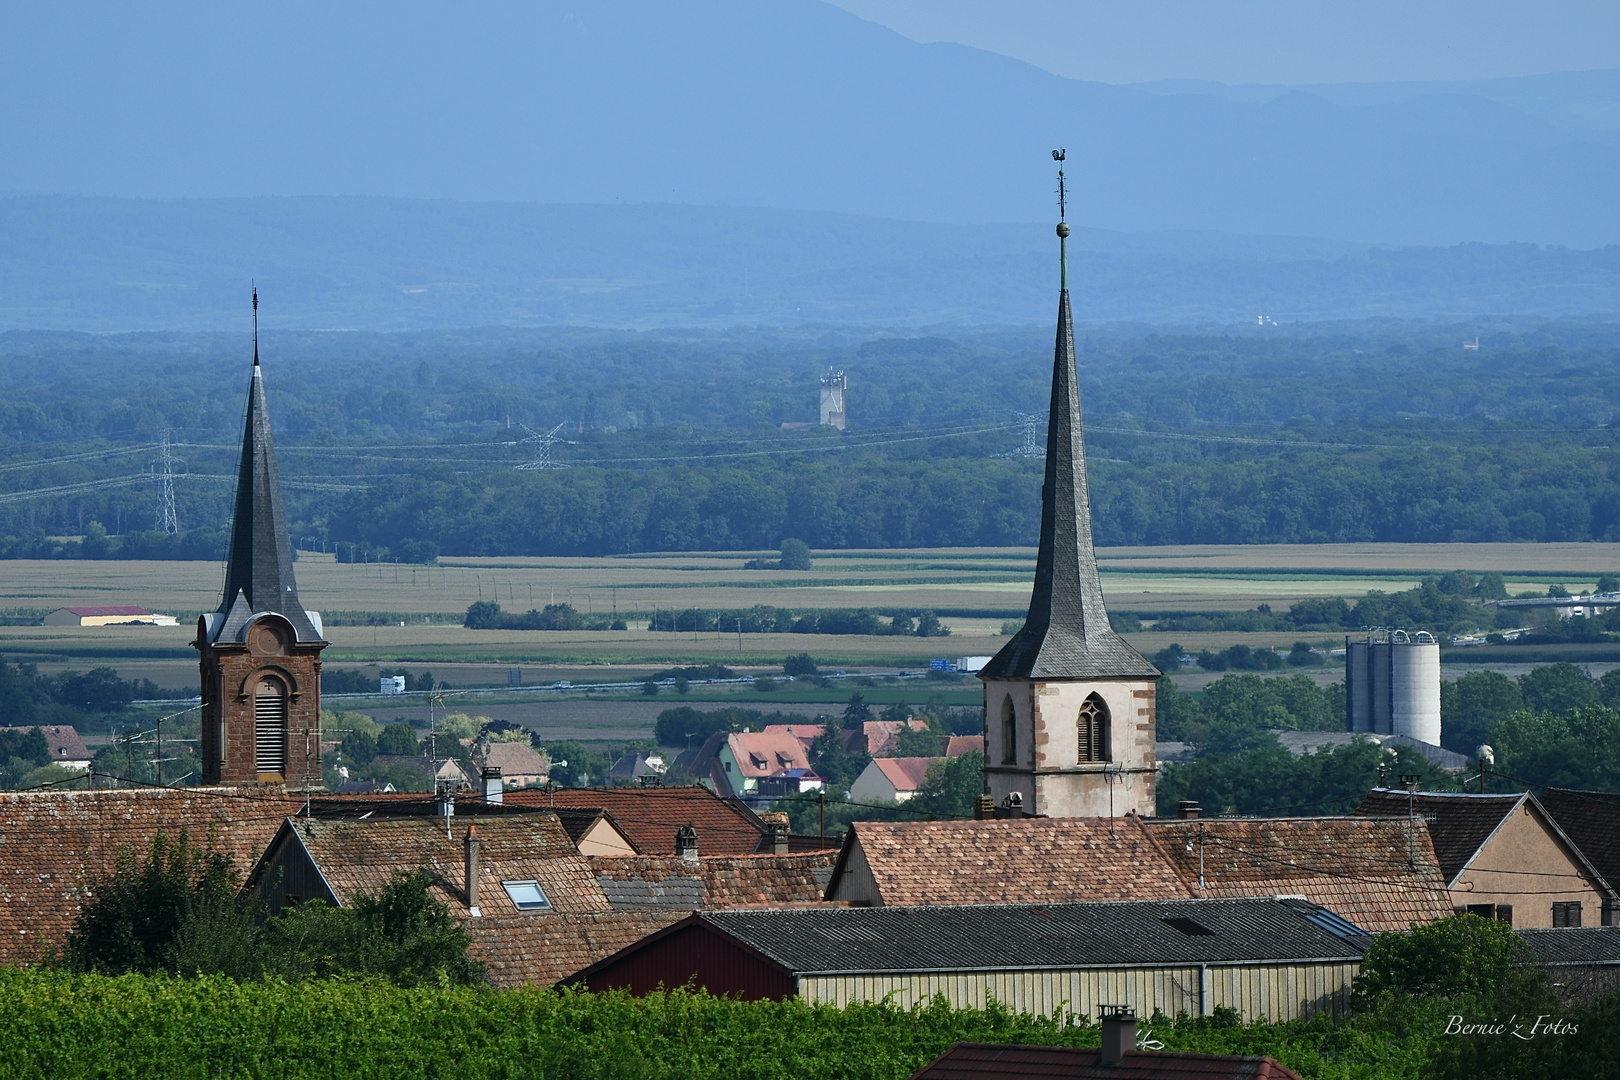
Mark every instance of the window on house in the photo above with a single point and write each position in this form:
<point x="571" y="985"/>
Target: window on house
<point x="1009" y="732"/>
<point x="1504" y="913"/>
<point x="270" y="726"/>
<point x="527" y="895"/>
<point x="1094" y="730"/>
<point x="1567" y="914"/>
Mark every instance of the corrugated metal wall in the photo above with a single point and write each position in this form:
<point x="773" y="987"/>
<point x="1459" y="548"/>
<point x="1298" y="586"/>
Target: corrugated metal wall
<point x="1278" y="992"/>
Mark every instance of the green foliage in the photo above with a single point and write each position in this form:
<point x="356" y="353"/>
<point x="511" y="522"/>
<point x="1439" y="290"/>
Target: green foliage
<point x="1472" y="707"/>
<point x="857" y="712"/>
<point x="928" y="625"/>
<point x="1463" y="955"/>
<point x="951" y="787"/>
<point x="909" y="742"/>
<point x="1266" y="779"/>
<point x="1557" y="688"/>
<point x="1241" y="658"/>
<point x="795" y="555"/>
<point x="1578" y="749"/>
<point x="1234" y="710"/>
<point x="359" y="747"/>
<point x="799" y="665"/>
<point x="398" y="739"/>
<point x="832" y="758"/>
<point x="27" y="744"/>
<point x="686" y="726"/>
<point x="487" y="615"/>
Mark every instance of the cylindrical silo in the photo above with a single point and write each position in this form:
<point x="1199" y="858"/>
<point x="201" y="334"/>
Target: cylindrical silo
<point x="1378" y="668"/>
<point x="1415" y="688"/>
<point x="1357" y="685"/>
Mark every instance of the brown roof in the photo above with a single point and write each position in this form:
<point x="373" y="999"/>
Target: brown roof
<point x="805" y="733"/>
<point x="762" y="753"/>
<point x="1459" y="824"/>
<point x="51" y="842"/>
<point x="1014" y="1061"/>
<point x="362" y="856"/>
<point x="882" y="734"/>
<point x="905" y="773"/>
<point x="542" y="950"/>
<point x="516" y="759"/>
<point x="1591" y="820"/>
<point x="1025" y="860"/>
<point x="717" y="882"/>
<point x="962" y="744"/>
<point x="64" y="741"/>
<point x="650" y="816"/>
<point x="1355" y="867"/>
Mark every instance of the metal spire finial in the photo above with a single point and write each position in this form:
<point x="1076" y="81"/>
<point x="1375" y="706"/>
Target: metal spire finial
<point x="255" y="324"/>
<point x="1063" y="226"/>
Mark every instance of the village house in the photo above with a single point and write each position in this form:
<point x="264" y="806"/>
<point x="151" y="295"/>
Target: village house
<point x="66" y="747"/>
<point x="890" y="780"/>
<point x="520" y="764"/>
<point x="1503" y="857"/>
<point x="1591" y="819"/>
<point x="713" y="882"/>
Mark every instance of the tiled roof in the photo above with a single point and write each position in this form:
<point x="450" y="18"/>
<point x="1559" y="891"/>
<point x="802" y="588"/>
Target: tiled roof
<point x="650" y="816"/>
<point x="104" y="612"/>
<point x="579" y="820"/>
<point x="52" y="841"/>
<point x="516" y="759"/>
<point x="64" y="741"/>
<point x="881" y="735"/>
<point x="905" y="773"/>
<point x="521" y="949"/>
<point x="1013" y="1061"/>
<point x="805" y="733"/>
<point x="362" y="856"/>
<point x="1591" y="819"/>
<point x="1577" y="945"/>
<point x="760" y="753"/>
<point x="1354" y="866"/>
<point x="1458" y="824"/>
<point x="962" y="744"/>
<point x="715" y="882"/>
<point x="1003" y="936"/>
<point x="1011" y="861"/>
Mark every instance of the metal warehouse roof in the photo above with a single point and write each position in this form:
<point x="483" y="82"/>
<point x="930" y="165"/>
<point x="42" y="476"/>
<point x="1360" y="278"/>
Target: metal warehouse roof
<point x="1575" y="945"/>
<point x="990" y="937"/>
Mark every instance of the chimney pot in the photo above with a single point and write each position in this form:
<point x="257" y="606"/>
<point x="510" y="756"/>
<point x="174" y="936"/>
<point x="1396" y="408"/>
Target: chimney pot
<point x="984" y="808"/>
<point x="1118" y="1034"/>
<point x="686" y="844"/>
<point x="492" y="784"/>
<point x="1187" y="809"/>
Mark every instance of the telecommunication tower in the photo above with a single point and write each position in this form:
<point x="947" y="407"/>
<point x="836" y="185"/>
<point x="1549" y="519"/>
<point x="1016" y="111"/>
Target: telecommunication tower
<point x="541" y="458"/>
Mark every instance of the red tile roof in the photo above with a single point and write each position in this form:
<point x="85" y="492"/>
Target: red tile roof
<point x="713" y="883"/>
<point x="64" y="742"/>
<point x="905" y="773"/>
<point x="53" y="842"/>
<point x="760" y="753"/>
<point x="805" y="733"/>
<point x="881" y="734"/>
<point x="651" y="816"/>
<point x="1025" y="860"/>
<point x="1001" y="1061"/>
<point x="517" y="759"/>
<point x="962" y="744"/>
<point x="542" y="950"/>
<point x="1355" y="867"/>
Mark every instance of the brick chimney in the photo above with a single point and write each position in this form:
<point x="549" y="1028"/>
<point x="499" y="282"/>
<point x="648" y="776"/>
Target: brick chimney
<point x="492" y="784"/>
<point x="471" y="869"/>
<point x="1118" y="1034"/>
<point x="686" y="843"/>
<point x="778" y="824"/>
<point x="984" y="807"/>
<point x="1187" y="809"/>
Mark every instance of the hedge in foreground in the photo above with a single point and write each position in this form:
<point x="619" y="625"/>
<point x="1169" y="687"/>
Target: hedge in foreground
<point x="62" y="1025"/>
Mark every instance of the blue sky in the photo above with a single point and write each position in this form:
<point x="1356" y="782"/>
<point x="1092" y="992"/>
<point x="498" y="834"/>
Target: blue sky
<point x="1271" y="41"/>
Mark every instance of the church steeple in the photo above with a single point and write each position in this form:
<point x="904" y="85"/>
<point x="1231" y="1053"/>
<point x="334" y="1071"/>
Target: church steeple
<point x="1066" y="634"/>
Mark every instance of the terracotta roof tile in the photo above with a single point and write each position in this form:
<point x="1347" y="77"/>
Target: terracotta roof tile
<point x="1047" y="860"/>
<point x="51" y="842"/>
<point x="650" y="816"/>
<point x="516" y="759"/>
<point x="1458" y="824"/>
<point x="905" y="773"/>
<point x="962" y="744"/>
<point x="881" y="735"/>
<point x="542" y="950"/>
<point x="63" y="741"/>
<point x="762" y="753"/>
<point x="716" y="882"/>
<point x="1355" y="867"/>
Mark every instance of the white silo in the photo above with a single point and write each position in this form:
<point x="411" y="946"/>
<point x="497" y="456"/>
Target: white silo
<point x="1414" y="686"/>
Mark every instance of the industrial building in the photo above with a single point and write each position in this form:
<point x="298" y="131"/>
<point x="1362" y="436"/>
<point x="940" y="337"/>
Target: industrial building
<point x="119" y="615"/>
<point x="1392" y="684"/>
<point x="833" y="387"/>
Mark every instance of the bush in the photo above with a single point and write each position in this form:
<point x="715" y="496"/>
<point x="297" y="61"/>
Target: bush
<point x="798" y="665"/>
<point x="795" y="555"/>
<point x="397" y="739"/>
<point x="1463" y="955"/>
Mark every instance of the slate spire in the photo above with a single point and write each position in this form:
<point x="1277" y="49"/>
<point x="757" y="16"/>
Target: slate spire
<point x="259" y="567"/>
<point x="1066" y="634"/>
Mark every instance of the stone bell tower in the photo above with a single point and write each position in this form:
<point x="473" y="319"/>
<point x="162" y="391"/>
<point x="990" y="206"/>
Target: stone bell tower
<point x="1068" y="705"/>
<point x="260" y="652"/>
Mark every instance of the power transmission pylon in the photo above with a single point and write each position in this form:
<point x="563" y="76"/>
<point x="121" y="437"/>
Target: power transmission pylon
<point x="1031" y="423"/>
<point x="168" y="521"/>
<point x="542" y="448"/>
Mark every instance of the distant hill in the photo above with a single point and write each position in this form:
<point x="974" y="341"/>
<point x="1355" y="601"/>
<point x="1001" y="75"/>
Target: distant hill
<point x="397" y="264"/>
<point x="762" y="103"/>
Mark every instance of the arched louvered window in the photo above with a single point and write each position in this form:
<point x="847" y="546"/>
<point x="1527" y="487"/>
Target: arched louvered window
<point x="1009" y="732"/>
<point x="270" y="726"/>
<point x="1094" y="730"/>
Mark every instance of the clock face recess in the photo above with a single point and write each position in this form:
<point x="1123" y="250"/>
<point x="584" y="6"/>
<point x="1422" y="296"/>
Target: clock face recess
<point x="266" y="640"/>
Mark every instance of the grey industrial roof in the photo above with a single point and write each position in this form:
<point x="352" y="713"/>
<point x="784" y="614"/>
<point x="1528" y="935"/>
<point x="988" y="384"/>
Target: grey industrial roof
<point x="1066" y="634"/>
<point x="991" y="937"/>
<point x="1580" y="945"/>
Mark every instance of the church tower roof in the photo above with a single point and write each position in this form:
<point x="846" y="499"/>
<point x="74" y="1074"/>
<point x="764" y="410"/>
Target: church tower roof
<point x="1066" y="634"/>
<point x="259" y="571"/>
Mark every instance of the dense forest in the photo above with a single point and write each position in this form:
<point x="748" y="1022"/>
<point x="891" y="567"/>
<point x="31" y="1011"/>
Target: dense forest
<point x="406" y="446"/>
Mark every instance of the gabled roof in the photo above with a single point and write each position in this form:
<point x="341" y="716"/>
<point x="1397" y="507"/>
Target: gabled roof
<point x="713" y="882"/>
<point x="579" y="821"/>
<point x="1020" y="860"/>
<point x="356" y="857"/>
<point x="516" y="759"/>
<point x="64" y="742"/>
<point x="762" y="753"/>
<point x="259" y="563"/>
<point x="53" y="842"/>
<point x="963" y="744"/>
<point x="523" y="950"/>
<point x="905" y="773"/>
<point x="104" y="612"/>
<point x="1357" y="867"/>
<point x="1000" y="937"/>
<point x="1066" y="633"/>
<point x="1015" y="1061"/>
<point x="1591" y="819"/>
<point x="651" y="816"/>
<point x="881" y="735"/>
<point x="805" y="733"/>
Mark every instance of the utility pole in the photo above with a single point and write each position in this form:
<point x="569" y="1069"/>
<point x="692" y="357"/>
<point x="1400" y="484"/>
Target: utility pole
<point x="1410" y="782"/>
<point x="1200" y="856"/>
<point x="821" y="794"/>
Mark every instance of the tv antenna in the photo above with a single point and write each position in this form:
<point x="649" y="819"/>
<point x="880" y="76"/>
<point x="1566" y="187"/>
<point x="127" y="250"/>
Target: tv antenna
<point x="542" y="448"/>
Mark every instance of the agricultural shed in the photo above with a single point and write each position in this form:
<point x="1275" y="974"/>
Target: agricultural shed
<point x="1504" y="857"/>
<point x="1016" y="1061"/>
<point x="114" y="615"/>
<point x="1583" y="964"/>
<point x="1016" y="860"/>
<point x="713" y="882"/>
<point x="1276" y="958"/>
<point x="1377" y="872"/>
<point x="521" y="950"/>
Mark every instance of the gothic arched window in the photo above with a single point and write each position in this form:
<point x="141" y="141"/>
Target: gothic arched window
<point x="270" y="726"/>
<point x="1094" y="730"/>
<point x="1009" y="732"/>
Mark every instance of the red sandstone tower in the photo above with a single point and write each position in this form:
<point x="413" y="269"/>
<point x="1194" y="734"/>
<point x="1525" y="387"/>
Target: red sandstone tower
<point x="260" y="652"/>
